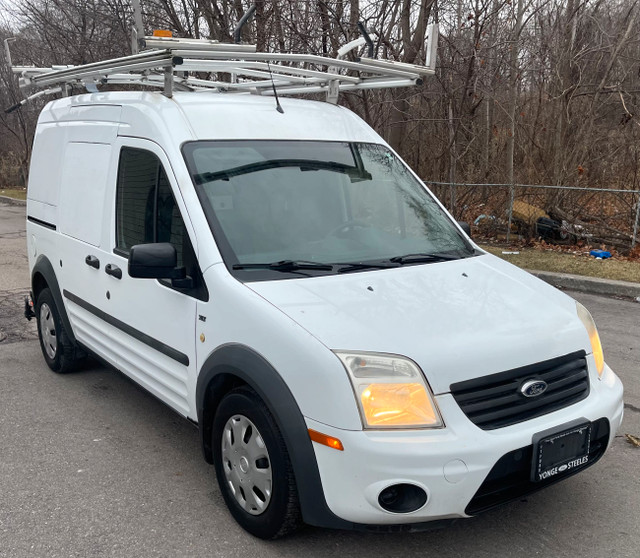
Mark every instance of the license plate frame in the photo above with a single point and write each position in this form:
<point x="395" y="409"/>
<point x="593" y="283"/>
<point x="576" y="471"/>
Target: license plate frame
<point x="560" y="450"/>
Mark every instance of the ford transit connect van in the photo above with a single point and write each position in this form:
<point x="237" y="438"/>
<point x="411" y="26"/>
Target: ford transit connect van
<point x="284" y="281"/>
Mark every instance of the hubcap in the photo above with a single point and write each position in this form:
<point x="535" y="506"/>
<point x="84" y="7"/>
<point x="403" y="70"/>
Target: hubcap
<point x="48" y="331"/>
<point x="246" y="464"/>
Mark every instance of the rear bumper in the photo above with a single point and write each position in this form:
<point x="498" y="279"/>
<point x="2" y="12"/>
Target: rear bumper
<point x="455" y="466"/>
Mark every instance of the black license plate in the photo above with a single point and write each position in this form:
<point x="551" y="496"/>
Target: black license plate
<point x="554" y="454"/>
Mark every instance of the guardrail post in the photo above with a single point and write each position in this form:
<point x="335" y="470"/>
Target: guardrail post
<point x="452" y="198"/>
<point x="635" y="226"/>
<point x="512" y="189"/>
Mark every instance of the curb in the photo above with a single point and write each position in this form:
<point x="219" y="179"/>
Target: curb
<point x="592" y="285"/>
<point x="6" y="200"/>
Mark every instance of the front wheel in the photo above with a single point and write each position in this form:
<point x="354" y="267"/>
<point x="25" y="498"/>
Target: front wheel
<point x="253" y="467"/>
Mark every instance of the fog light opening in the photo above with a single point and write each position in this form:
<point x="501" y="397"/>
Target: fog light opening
<point x="402" y="498"/>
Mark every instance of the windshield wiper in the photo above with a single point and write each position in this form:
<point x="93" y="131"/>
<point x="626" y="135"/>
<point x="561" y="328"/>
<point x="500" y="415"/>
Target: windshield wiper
<point x="347" y="267"/>
<point x="303" y="164"/>
<point x="423" y="258"/>
<point x="286" y="265"/>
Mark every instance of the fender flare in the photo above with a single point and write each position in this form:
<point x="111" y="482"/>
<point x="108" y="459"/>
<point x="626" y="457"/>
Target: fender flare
<point x="245" y="365"/>
<point x="44" y="268"/>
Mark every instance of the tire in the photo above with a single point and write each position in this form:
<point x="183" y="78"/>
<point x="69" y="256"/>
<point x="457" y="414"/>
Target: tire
<point x="253" y="467"/>
<point x="58" y="350"/>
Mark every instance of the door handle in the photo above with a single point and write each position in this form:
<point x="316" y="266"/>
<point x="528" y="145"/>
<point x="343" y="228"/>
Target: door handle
<point x="92" y="261"/>
<point x="113" y="270"/>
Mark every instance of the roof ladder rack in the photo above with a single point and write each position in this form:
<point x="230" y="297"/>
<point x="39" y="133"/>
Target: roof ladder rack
<point x="169" y="64"/>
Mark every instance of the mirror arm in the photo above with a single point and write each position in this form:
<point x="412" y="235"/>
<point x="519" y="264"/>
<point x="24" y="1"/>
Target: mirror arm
<point x="185" y="282"/>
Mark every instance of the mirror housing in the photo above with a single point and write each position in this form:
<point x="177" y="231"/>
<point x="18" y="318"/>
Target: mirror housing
<point x="155" y="261"/>
<point x="465" y="227"/>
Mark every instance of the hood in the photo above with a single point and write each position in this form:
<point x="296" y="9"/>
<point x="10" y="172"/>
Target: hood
<point x="457" y="320"/>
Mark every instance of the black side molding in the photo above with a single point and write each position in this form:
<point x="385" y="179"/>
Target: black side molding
<point x="129" y="330"/>
<point x="42" y="223"/>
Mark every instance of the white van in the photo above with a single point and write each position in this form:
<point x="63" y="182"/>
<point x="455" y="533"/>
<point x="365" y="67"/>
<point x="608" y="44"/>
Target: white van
<point x="284" y="281"/>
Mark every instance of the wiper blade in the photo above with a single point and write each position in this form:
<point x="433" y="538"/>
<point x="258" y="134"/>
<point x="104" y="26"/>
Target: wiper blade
<point x="303" y="164"/>
<point x="423" y="258"/>
<point x="286" y="265"/>
<point x="360" y="266"/>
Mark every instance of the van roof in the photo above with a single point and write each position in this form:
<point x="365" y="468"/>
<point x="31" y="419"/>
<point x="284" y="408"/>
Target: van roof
<point x="189" y="116"/>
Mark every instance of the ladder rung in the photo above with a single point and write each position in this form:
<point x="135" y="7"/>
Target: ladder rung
<point x="136" y="62"/>
<point x="304" y="58"/>
<point x="373" y="83"/>
<point x="195" y="44"/>
<point x="277" y="70"/>
<point x="392" y="64"/>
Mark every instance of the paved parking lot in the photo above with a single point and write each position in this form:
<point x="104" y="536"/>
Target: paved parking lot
<point x="91" y="465"/>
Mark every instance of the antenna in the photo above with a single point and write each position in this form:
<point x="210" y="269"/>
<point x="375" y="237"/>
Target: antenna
<point x="275" y="93"/>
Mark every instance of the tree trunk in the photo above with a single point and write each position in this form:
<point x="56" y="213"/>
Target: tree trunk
<point x="513" y="97"/>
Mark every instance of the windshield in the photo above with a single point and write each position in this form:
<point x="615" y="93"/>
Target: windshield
<point x="297" y="208"/>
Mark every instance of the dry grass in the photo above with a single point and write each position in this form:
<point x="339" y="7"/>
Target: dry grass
<point x="15" y="193"/>
<point x="579" y="263"/>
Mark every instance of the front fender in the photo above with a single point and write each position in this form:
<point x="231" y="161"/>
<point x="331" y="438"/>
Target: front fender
<point x="234" y="364"/>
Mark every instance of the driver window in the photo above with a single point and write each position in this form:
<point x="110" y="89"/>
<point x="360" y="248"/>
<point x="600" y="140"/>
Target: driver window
<point x="146" y="210"/>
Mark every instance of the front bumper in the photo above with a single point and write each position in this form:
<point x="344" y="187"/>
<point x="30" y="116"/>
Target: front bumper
<point x="450" y="464"/>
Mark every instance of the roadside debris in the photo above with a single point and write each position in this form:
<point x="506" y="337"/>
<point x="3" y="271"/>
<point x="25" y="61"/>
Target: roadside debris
<point x="600" y="254"/>
<point x="633" y="440"/>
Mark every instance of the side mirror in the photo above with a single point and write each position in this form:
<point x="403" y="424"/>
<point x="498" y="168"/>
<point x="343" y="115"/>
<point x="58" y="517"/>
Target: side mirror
<point x="465" y="227"/>
<point x="155" y="261"/>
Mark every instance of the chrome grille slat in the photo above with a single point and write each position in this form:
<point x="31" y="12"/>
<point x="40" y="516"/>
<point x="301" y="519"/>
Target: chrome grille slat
<point x="495" y="401"/>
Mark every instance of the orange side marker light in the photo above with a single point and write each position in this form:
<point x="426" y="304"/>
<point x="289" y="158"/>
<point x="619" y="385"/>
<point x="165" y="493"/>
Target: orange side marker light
<point x="326" y="440"/>
<point x="162" y="33"/>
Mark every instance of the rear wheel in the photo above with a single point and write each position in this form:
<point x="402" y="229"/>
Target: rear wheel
<point x="253" y="467"/>
<point x="57" y="348"/>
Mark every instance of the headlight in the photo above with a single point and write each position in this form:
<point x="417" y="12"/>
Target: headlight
<point x="391" y="391"/>
<point x="596" y="346"/>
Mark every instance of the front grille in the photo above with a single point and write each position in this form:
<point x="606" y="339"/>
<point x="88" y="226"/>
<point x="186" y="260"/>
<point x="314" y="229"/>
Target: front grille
<point x="510" y="477"/>
<point x="495" y="401"/>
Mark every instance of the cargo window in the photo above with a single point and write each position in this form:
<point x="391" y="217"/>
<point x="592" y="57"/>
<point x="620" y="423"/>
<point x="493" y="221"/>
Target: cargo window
<point x="146" y="210"/>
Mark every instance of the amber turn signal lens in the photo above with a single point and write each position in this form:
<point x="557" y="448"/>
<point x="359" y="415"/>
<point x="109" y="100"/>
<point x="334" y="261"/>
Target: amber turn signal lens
<point x="162" y="33"/>
<point x="594" y="338"/>
<point x="325" y="440"/>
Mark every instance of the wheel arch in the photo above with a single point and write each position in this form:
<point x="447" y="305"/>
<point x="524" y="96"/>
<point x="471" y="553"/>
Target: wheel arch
<point x="233" y="365"/>
<point x="43" y="276"/>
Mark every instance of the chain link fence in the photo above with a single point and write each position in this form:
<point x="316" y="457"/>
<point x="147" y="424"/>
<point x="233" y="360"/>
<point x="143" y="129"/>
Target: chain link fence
<point x="561" y="214"/>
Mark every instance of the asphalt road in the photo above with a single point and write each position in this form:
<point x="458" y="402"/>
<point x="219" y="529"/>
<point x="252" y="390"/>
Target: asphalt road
<point x="14" y="274"/>
<point x="91" y="465"/>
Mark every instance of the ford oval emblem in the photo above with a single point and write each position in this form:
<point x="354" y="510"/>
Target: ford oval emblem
<point x="533" y="388"/>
